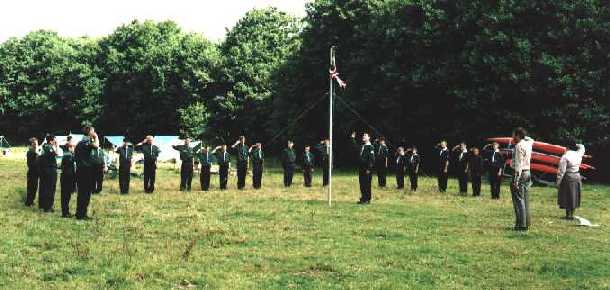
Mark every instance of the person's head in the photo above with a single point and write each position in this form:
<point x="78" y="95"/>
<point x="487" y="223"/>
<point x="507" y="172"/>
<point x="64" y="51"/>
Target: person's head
<point x="495" y="145"/>
<point x="443" y="144"/>
<point x="382" y="140"/>
<point x="33" y="141"/>
<point x="242" y="139"/>
<point x="88" y="130"/>
<point x="125" y="141"/>
<point x="69" y="139"/>
<point x="519" y="134"/>
<point x="224" y="147"/>
<point x="414" y="149"/>
<point x="259" y="145"/>
<point x="326" y="141"/>
<point x="187" y="141"/>
<point x="475" y="151"/>
<point x="463" y="146"/>
<point x="572" y="144"/>
<point x="50" y="138"/>
<point x="401" y="150"/>
<point x="71" y="146"/>
<point x="290" y="144"/>
<point x="307" y="148"/>
<point x="366" y="138"/>
<point x="149" y="139"/>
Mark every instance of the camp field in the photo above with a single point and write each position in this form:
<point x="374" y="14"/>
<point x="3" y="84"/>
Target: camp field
<point x="278" y="238"/>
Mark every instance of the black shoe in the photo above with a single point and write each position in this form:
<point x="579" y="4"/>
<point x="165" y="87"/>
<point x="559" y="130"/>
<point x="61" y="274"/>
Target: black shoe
<point x="85" y="218"/>
<point x="520" y="229"/>
<point x="66" y="215"/>
<point x="48" y="210"/>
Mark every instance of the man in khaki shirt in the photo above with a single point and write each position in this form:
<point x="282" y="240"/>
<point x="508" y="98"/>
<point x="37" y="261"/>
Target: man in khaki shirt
<point x="521" y="178"/>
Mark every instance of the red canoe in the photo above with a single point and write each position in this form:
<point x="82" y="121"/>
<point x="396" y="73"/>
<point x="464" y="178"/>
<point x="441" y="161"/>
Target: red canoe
<point x="539" y="146"/>
<point x="537" y="167"/>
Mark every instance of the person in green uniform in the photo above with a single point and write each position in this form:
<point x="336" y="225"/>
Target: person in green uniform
<point x="48" y="174"/>
<point x="68" y="178"/>
<point x="400" y="167"/>
<point x="242" y="151"/>
<point x="381" y="161"/>
<point x="257" y="156"/>
<point x="125" y="153"/>
<point x="224" y="159"/>
<point x="205" y="158"/>
<point x="366" y="162"/>
<point x="33" y="174"/>
<point x="308" y="165"/>
<point x="324" y="149"/>
<point x="85" y="171"/>
<point x="288" y="162"/>
<point x="100" y="168"/>
<point x="151" y="153"/>
<point x="413" y="167"/>
<point x="187" y="155"/>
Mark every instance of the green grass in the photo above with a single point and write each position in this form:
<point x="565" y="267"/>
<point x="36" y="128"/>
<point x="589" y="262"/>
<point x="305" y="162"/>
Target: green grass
<point x="290" y="239"/>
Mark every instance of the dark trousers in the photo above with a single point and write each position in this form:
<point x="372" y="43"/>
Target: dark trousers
<point x="32" y="186"/>
<point x="99" y="178"/>
<point x="46" y="193"/>
<point x="257" y="175"/>
<point x="495" y="181"/>
<point x="364" y="179"/>
<point x="400" y="179"/>
<point x="223" y="173"/>
<point x="382" y="171"/>
<point x="150" y="173"/>
<point x="476" y="185"/>
<point x="124" y="177"/>
<point x="85" y="180"/>
<point x="307" y="172"/>
<point x="68" y="186"/>
<point x="325" y="172"/>
<point x="204" y="177"/>
<point x="288" y="173"/>
<point x="186" y="176"/>
<point x="413" y="177"/>
<point x="442" y="181"/>
<point x="520" y="196"/>
<point x="463" y="181"/>
<point x="242" y="170"/>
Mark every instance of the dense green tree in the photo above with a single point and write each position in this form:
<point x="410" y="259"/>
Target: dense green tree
<point x="151" y="71"/>
<point x="252" y="52"/>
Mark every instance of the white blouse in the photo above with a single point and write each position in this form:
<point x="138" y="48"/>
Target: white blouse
<point x="570" y="162"/>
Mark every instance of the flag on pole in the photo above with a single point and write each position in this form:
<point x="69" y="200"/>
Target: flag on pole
<point x="334" y="75"/>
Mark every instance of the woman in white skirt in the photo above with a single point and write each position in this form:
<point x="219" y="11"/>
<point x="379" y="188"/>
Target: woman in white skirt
<point x="569" y="180"/>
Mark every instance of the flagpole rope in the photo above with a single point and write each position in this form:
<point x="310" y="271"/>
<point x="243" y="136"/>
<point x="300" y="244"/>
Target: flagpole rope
<point x="351" y="109"/>
<point x="299" y="116"/>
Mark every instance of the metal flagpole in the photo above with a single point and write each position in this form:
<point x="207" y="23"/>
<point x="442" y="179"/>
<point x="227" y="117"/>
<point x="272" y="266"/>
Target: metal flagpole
<point x="330" y="130"/>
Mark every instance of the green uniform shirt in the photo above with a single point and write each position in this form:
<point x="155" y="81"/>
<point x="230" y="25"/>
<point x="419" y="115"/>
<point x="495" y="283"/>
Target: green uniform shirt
<point x="151" y="152"/>
<point x="187" y="153"/>
<point x="83" y="153"/>
<point x="47" y="159"/>
<point x="308" y="159"/>
<point x="288" y="157"/>
<point x="257" y="155"/>
<point x="223" y="157"/>
<point x="242" y="153"/>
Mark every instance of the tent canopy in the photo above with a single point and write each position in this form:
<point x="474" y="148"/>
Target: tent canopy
<point x="4" y="143"/>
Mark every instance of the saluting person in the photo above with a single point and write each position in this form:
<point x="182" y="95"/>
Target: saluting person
<point x="242" y="151"/>
<point x="461" y="166"/>
<point x="151" y="153"/>
<point x="224" y="159"/>
<point x="475" y="169"/>
<point x="187" y="155"/>
<point x="381" y="161"/>
<point x="495" y="164"/>
<point x="308" y="165"/>
<point x="400" y="167"/>
<point x="33" y="174"/>
<point x="125" y="153"/>
<point x="68" y="178"/>
<point x="413" y="167"/>
<point x="257" y="156"/>
<point x="85" y="171"/>
<point x="324" y="150"/>
<point x="366" y="162"/>
<point x="443" y="166"/>
<point x="288" y="163"/>
<point x="48" y="174"/>
<point x="205" y="160"/>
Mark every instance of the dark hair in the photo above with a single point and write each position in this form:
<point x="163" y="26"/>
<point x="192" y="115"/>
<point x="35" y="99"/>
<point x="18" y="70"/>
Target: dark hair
<point x="125" y="139"/>
<point x="49" y="137"/>
<point x="572" y="144"/>
<point x="414" y="147"/>
<point x="381" y="138"/>
<point x="520" y="132"/>
<point x="69" y="138"/>
<point x="87" y="130"/>
<point x="33" y="139"/>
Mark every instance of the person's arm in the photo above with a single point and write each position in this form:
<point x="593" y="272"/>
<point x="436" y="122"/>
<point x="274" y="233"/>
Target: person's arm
<point x="96" y="140"/>
<point x="581" y="150"/>
<point x="215" y="149"/>
<point x="417" y="162"/>
<point x="563" y="164"/>
<point x="517" y="159"/>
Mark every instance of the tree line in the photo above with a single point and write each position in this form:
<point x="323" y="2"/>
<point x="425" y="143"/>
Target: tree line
<point x="417" y="71"/>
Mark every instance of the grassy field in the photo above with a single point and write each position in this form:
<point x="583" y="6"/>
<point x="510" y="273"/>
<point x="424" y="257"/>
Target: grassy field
<point x="278" y="238"/>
